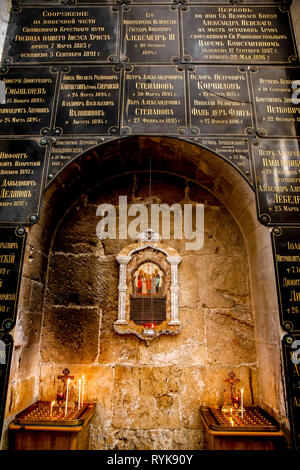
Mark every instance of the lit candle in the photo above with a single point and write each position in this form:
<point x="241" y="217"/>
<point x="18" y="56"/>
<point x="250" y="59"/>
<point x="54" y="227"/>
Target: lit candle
<point x="82" y="391"/>
<point x="242" y="402"/>
<point x="79" y="394"/>
<point x="52" y="404"/>
<point x="67" y="396"/>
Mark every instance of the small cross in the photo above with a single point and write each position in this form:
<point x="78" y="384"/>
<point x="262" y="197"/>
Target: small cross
<point x="66" y="375"/>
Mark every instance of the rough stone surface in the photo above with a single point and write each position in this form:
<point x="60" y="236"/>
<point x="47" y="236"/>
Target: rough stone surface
<point x="81" y="280"/>
<point x="230" y="337"/>
<point x="79" y="327"/>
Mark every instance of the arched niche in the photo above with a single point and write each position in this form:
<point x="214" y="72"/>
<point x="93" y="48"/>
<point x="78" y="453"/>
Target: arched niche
<point x="128" y="157"/>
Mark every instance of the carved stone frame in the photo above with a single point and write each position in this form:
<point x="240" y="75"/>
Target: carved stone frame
<point x="124" y="325"/>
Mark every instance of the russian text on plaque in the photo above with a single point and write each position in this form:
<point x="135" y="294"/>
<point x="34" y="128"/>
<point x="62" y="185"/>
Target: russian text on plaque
<point x="29" y="97"/>
<point x="89" y="100"/>
<point x="150" y="35"/>
<point x="236" y="151"/>
<point x="22" y="166"/>
<point x="65" y="150"/>
<point x="220" y="100"/>
<point x="286" y="249"/>
<point x="276" y="95"/>
<point x="277" y="180"/>
<point x="12" y="246"/>
<point x="238" y="34"/>
<point x="154" y="98"/>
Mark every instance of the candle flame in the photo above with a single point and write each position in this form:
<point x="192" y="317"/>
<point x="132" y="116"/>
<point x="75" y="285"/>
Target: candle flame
<point x="51" y="407"/>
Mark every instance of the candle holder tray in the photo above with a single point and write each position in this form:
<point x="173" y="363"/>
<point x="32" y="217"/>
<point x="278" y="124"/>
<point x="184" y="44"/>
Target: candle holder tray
<point x="254" y="419"/>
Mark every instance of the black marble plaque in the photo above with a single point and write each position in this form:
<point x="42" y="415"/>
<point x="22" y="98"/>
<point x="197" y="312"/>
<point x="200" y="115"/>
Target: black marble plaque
<point x="286" y="251"/>
<point x="63" y="151"/>
<point x="6" y="349"/>
<point x="22" y="164"/>
<point x="154" y="100"/>
<point x="277" y="180"/>
<point x="89" y="101"/>
<point x="150" y="35"/>
<point x="220" y="100"/>
<point x="238" y="34"/>
<point x="234" y="151"/>
<point x="12" y="246"/>
<point x="276" y="93"/>
<point x="291" y="358"/>
<point x="62" y="34"/>
<point x="29" y="95"/>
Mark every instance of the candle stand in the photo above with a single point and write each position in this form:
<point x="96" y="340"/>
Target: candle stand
<point x="43" y="427"/>
<point x="253" y="429"/>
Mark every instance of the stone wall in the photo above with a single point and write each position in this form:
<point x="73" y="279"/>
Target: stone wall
<point x="148" y="397"/>
<point x="5" y="8"/>
<point x="118" y="369"/>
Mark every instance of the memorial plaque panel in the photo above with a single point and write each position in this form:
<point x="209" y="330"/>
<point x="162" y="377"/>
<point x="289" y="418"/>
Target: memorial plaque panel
<point x="29" y="94"/>
<point x="291" y="359"/>
<point x="38" y="2"/>
<point x="235" y="151"/>
<point x="286" y="251"/>
<point x="63" y="151"/>
<point x="6" y="349"/>
<point x="22" y="164"/>
<point x="154" y="100"/>
<point x="277" y="180"/>
<point x="62" y="34"/>
<point x="96" y="2"/>
<point x="89" y="101"/>
<point x="238" y="34"/>
<point x="276" y="93"/>
<point x="220" y="100"/>
<point x="150" y="34"/>
<point x="12" y="246"/>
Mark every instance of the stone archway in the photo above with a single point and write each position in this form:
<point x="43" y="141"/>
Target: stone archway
<point x="174" y="161"/>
